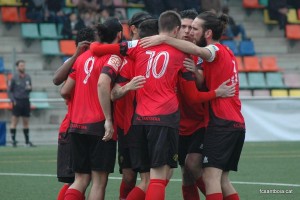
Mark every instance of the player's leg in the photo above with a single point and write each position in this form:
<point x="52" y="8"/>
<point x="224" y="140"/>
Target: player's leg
<point x="163" y="148"/>
<point x="212" y="180"/>
<point x="193" y="161"/>
<point x="102" y="156"/>
<point x="228" y="190"/>
<point x="128" y="175"/>
<point x="139" y="191"/>
<point x="189" y="189"/>
<point x="139" y="158"/>
<point x="128" y="182"/>
<point x="99" y="179"/>
<point x="81" y="166"/>
<point x="65" y="173"/>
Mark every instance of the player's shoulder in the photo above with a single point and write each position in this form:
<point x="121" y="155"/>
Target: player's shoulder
<point x="132" y="44"/>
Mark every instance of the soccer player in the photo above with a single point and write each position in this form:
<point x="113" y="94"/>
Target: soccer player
<point x="193" y="107"/>
<point x="65" y="173"/>
<point x="123" y="91"/>
<point x="91" y="129"/>
<point x="225" y="134"/>
<point x="154" y="140"/>
<point x="128" y="175"/>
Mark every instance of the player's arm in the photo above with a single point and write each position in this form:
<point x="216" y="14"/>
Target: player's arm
<point x="106" y="78"/>
<point x="119" y="91"/>
<point x="189" y="65"/>
<point x="99" y="49"/>
<point x="61" y="74"/>
<point x="67" y="88"/>
<point x="104" y="91"/>
<point x="185" y="46"/>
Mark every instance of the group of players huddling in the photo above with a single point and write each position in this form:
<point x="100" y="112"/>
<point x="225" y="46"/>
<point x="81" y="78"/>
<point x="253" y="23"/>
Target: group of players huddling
<point x="169" y="96"/>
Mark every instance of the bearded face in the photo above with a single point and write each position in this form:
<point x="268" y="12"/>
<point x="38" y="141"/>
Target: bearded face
<point x="202" y="41"/>
<point x="198" y="33"/>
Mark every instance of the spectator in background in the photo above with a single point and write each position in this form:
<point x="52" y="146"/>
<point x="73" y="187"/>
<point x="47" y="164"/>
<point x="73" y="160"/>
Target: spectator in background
<point x="294" y="4"/>
<point x="278" y="11"/>
<point x="71" y="26"/>
<point x="87" y="4"/>
<point x="35" y="9"/>
<point x="233" y="29"/>
<point x="53" y="11"/>
<point x="19" y="89"/>
<point x="211" y="5"/>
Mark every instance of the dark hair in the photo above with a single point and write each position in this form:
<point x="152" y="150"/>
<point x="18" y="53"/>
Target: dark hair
<point x="188" y="14"/>
<point x="148" y="27"/>
<point x="85" y="34"/>
<point x="138" y="18"/>
<point x="19" y="61"/>
<point x="225" y="9"/>
<point x="217" y="24"/>
<point x="168" y="20"/>
<point x="108" y="31"/>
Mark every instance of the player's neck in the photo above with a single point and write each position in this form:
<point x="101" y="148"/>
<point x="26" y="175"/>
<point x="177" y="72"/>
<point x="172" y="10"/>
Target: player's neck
<point x="170" y="34"/>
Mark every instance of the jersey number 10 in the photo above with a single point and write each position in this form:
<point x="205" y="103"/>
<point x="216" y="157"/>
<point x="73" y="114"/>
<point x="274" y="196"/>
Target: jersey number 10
<point x="152" y="63"/>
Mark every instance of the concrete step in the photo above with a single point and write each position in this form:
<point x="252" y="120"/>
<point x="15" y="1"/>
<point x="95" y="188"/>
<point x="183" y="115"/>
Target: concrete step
<point x="33" y="61"/>
<point x="270" y="45"/>
<point x="16" y="44"/>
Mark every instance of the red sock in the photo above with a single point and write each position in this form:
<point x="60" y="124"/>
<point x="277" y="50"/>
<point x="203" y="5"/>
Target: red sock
<point x="234" y="196"/>
<point x="214" y="196"/>
<point x="190" y="192"/>
<point x="62" y="191"/>
<point x="125" y="189"/>
<point x="72" y="194"/>
<point x="200" y="184"/>
<point x="167" y="182"/>
<point x="156" y="189"/>
<point x="136" y="194"/>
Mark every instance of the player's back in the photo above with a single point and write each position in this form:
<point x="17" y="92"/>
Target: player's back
<point x="221" y="69"/>
<point x="161" y="66"/>
<point x="86" y="107"/>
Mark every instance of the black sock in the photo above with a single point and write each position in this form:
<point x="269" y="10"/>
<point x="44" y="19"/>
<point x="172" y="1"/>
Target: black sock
<point x="26" y="135"/>
<point x="13" y="134"/>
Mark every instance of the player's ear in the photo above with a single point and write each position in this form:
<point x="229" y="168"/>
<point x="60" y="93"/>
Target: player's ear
<point x="208" y="33"/>
<point x="176" y="30"/>
<point x="120" y="36"/>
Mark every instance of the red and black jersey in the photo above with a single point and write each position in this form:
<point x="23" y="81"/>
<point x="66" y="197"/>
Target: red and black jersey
<point x="87" y="115"/>
<point x="157" y="102"/>
<point x="224" y="112"/>
<point x="124" y="107"/>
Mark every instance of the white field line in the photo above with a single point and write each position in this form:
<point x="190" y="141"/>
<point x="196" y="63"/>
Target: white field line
<point x="172" y="180"/>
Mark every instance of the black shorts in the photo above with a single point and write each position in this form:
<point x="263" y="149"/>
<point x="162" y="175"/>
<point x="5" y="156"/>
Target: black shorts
<point x="190" y="144"/>
<point x="21" y="108"/>
<point x="153" y="146"/>
<point x="223" y="149"/>
<point x="91" y="153"/>
<point x="123" y="151"/>
<point x="65" y="172"/>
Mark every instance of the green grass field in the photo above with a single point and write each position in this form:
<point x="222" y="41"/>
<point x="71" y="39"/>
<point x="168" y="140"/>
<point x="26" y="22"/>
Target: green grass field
<point x="30" y="173"/>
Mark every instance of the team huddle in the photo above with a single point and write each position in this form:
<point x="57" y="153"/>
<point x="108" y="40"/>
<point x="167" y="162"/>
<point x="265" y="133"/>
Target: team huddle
<point x="169" y="96"/>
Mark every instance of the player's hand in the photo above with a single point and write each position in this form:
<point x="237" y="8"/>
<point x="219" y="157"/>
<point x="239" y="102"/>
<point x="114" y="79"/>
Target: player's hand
<point x="109" y="130"/>
<point x="152" y="41"/>
<point x="82" y="47"/>
<point x="189" y="64"/>
<point x="224" y="90"/>
<point x="136" y="83"/>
